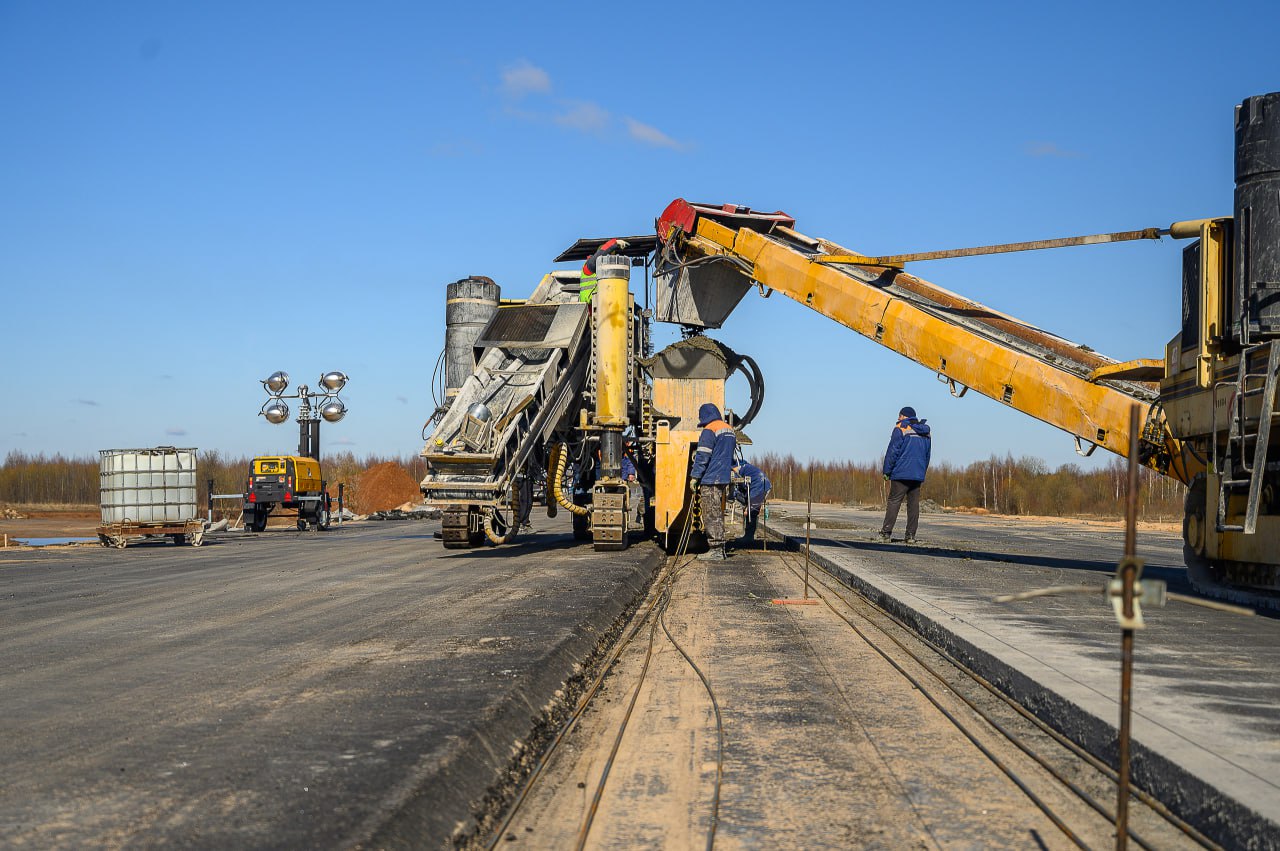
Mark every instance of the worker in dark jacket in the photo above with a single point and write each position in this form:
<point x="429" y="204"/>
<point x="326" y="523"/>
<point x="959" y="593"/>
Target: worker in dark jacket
<point x="751" y="493"/>
<point x="906" y="462"/>
<point x="589" y="283"/>
<point x="709" y="478"/>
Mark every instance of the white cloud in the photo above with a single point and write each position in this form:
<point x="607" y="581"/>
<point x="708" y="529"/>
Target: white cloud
<point x="455" y="148"/>
<point x="581" y="116"/>
<point x="651" y="135"/>
<point x="525" y="78"/>
<point x="1049" y="149"/>
<point x="585" y="117"/>
<point x="342" y="441"/>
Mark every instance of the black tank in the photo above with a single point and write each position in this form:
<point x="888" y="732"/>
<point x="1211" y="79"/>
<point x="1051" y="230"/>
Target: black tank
<point x="1256" y="313"/>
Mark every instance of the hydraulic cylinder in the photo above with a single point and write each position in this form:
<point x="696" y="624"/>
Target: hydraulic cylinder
<point x="611" y="308"/>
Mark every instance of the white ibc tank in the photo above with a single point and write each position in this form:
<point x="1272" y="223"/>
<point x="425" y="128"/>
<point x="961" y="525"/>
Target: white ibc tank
<point x="147" y="485"/>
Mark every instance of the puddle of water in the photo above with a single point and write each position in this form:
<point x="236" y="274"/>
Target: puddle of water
<point x="51" y="542"/>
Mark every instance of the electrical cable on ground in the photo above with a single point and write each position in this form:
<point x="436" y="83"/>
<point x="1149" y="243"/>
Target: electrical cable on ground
<point x="1084" y="796"/>
<point x="995" y="760"/>
<point x="656" y="607"/>
<point x="1145" y="797"/>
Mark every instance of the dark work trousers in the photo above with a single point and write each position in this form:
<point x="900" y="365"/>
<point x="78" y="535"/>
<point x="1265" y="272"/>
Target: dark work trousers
<point x="898" y="490"/>
<point x="750" y="523"/>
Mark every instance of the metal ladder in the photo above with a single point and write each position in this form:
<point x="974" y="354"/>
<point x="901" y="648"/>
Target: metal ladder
<point x="1246" y="385"/>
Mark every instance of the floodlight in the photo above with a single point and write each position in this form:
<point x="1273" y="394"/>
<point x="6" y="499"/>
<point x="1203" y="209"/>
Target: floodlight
<point x="333" y="410"/>
<point x="333" y="382"/>
<point x="276" y="411"/>
<point x="276" y="383"/>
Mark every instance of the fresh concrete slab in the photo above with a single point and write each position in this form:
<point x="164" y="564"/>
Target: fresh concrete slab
<point x="1206" y="697"/>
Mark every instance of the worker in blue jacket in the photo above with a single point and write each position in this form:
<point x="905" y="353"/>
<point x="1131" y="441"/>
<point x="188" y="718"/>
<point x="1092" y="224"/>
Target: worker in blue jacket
<point x="906" y="462"/>
<point x="709" y="478"/>
<point x="751" y="493"/>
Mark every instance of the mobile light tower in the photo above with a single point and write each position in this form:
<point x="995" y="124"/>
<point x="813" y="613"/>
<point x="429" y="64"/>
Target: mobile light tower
<point x="313" y="406"/>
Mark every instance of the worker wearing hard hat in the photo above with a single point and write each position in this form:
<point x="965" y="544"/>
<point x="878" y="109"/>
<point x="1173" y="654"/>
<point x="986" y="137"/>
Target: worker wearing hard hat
<point x="710" y="476"/>
<point x="587" y="288"/>
<point x="906" y="462"/>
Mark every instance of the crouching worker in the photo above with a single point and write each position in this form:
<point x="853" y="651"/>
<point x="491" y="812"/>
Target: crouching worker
<point x="709" y="478"/>
<point x="752" y="493"/>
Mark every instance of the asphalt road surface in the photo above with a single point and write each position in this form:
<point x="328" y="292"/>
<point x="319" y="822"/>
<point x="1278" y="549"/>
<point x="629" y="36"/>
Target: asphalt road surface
<point x="300" y="690"/>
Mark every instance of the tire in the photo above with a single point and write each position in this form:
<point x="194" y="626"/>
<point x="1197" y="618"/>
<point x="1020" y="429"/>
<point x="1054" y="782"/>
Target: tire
<point x="257" y="521"/>
<point x="1194" y="533"/>
<point x="302" y="524"/>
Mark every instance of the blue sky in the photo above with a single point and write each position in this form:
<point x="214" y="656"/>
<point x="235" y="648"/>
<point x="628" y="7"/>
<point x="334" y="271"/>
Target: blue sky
<point x="195" y="195"/>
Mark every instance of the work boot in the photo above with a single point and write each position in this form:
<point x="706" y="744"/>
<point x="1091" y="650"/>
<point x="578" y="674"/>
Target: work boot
<point x="884" y="537"/>
<point x="714" y="554"/>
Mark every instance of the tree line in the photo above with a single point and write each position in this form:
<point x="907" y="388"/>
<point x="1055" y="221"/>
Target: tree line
<point x="998" y="485"/>
<point x="59" y="480"/>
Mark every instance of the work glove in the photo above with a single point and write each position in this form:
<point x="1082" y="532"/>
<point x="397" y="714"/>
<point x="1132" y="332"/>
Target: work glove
<point x="886" y="477"/>
<point x="623" y="245"/>
<point x="693" y="485"/>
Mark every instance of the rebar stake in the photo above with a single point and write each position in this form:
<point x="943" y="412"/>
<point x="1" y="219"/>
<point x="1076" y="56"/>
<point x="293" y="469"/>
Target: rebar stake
<point x="808" y="528"/>
<point x="1128" y="569"/>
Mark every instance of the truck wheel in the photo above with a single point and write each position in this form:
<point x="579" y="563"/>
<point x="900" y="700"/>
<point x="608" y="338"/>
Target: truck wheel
<point x="302" y="524"/>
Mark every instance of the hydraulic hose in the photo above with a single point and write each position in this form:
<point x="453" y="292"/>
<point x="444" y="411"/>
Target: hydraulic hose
<point x="558" y="461"/>
<point x="755" y="381"/>
<point x="516" y="507"/>
<point x="493" y="536"/>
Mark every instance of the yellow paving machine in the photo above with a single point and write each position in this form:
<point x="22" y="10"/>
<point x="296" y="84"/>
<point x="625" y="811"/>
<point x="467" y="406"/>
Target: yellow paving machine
<point x="559" y="396"/>
<point x="1207" y="407"/>
<point x="557" y="390"/>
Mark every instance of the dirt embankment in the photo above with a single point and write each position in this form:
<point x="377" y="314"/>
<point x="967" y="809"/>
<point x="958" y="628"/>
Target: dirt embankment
<point x="49" y="521"/>
<point x="382" y="488"/>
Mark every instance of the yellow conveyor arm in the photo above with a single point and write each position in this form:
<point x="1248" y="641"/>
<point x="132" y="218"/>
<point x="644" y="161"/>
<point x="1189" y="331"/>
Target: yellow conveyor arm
<point x="968" y="345"/>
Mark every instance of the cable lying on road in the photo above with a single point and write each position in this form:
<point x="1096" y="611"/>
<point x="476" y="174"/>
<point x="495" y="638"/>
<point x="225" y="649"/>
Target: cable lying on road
<point x="995" y="760"/>
<point x="654" y="615"/>
<point x="841" y="590"/>
<point x="1146" y="798"/>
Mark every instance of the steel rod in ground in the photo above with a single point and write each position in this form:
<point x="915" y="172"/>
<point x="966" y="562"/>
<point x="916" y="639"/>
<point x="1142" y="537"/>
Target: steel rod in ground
<point x="1128" y="569"/>
<point x="808" y="529"/>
